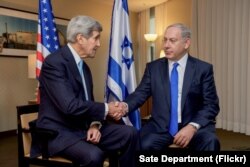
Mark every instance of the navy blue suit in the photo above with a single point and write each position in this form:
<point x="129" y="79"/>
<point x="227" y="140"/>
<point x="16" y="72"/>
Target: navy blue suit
<point x="199" y="104"/>
<point x="63" y="108"/>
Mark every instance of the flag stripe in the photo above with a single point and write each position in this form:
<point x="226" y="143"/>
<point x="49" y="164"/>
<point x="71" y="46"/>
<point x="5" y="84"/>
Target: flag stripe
<point x="115" y="87"/>
<point x="117" y="77"/>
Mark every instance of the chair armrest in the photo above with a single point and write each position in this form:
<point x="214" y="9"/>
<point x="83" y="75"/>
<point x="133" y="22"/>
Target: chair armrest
<point x="41" y="136"/>
<point x="44" y="134"/>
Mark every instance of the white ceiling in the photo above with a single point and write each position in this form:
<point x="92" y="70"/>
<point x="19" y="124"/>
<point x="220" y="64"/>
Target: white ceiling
<point x="135" y="5"/>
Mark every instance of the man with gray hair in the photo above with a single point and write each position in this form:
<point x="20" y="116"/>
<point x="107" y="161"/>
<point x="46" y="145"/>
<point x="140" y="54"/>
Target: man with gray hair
<point x="185" y="102"/>
<point x="67" y="104"/>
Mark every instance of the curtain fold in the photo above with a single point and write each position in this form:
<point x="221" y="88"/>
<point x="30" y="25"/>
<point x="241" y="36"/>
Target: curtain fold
<point x="143" y="28"/>
<point x="221" y="36"/>
<point x="160" y="25"/>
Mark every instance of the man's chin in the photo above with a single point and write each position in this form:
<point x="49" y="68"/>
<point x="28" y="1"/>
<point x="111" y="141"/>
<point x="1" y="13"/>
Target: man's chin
<point x="169" y="56"/>
<point x="91" y="55"/>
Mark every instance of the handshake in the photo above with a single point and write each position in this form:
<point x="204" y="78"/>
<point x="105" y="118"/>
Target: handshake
<point x="117" y="110"/>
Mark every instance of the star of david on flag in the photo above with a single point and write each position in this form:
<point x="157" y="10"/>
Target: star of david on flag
<point x="121" y="80"/>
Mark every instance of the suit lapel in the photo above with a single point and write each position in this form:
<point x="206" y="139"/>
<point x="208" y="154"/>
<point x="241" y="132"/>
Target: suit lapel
<point x="165" y="80"/>
<point x="188" y="78"/>
<point x="75" y="72"/>
<point x="72" y="64"/>
<point x="88" y="79"/>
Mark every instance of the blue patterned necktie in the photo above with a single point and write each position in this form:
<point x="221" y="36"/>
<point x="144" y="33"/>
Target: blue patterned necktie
<point x="80" y="68"/>
<point x="173" y="128"/>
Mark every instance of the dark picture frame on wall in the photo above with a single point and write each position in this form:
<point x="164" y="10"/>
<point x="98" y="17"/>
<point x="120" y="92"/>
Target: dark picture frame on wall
<point x="18" y="31"/>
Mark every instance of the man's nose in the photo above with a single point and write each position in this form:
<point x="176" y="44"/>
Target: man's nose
<point x="98" y="43"/>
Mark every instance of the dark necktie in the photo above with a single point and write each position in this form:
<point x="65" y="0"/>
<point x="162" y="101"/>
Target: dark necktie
<point x="173" y="128"/>
<point x="80" y="68"/>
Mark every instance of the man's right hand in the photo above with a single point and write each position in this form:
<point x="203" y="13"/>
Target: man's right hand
<point x="117" y="110"/>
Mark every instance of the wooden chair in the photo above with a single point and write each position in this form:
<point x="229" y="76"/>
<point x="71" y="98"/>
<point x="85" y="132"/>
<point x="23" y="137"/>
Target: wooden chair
<point x="26" y="114"/>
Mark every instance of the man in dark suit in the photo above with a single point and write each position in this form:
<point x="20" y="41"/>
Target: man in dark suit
<point x="67" y="104"/>
<point x="196" y="104"/>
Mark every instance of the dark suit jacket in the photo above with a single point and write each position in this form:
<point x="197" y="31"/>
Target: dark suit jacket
<point x="199" y="98"/>
<point x="62" y="104"/>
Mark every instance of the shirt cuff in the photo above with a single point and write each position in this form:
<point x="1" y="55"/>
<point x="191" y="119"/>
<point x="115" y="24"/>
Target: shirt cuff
<point x="195" y="125"/>
<point x="97" y="123"/>
<point x="126" y="107"/>
<point x="106" y="110"/>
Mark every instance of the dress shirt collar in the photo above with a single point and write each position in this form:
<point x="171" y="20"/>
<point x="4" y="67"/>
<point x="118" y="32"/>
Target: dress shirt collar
<point x="75" y="54"/>
<point x="182" y="62"/>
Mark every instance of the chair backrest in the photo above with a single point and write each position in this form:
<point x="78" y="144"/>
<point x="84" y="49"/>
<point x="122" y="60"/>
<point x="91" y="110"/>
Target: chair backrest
<point x="25" y="119"/>
<point x="25" y="114"/>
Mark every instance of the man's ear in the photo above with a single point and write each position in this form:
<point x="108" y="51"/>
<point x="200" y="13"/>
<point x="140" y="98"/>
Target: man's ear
<point x="80" y="38"/>
<point x="187" y="43"/>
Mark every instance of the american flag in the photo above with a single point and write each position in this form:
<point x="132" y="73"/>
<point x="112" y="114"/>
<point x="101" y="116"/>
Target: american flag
<point x="47" y="38"/>
<point x="121" y="79"/>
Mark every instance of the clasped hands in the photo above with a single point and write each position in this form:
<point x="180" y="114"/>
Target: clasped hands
<point x="117" y="110"/>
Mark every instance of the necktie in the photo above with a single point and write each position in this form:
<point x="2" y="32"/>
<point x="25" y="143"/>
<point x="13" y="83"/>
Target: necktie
<point x="80" y="68"/>
<point x="173" y="128"/>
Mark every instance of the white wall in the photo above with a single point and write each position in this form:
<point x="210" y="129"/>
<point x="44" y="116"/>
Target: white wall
<point x="15" y="89"/>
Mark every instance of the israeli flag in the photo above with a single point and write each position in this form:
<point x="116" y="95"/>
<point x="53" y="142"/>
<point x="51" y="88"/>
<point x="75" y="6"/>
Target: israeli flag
<point x="121" y="80"/>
